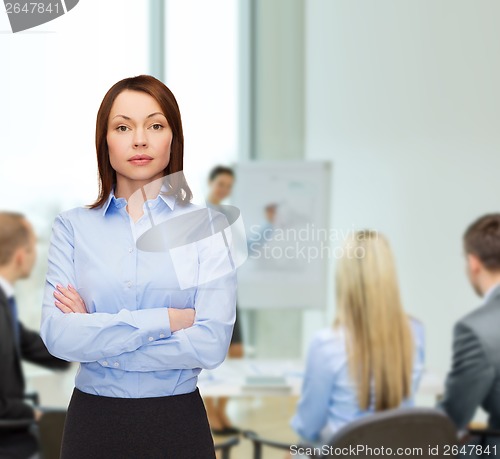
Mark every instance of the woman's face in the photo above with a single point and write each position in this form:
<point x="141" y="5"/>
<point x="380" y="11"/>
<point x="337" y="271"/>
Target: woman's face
<point x="139" y="137"/>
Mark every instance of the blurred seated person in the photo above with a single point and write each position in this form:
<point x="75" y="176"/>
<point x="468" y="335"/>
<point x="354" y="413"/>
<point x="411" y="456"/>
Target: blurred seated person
<point x="372" y="358"/>
<point x="474" y="378"/>
<point x="17" y="257"/>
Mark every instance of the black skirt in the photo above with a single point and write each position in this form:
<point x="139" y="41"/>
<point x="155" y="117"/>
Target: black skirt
<point x="173" y="427"/>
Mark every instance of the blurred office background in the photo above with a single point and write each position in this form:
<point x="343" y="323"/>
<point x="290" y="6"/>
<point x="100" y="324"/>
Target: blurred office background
<point x="401" y="97"/>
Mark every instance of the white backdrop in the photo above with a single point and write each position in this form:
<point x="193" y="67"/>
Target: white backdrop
<point x="288" y="254"/>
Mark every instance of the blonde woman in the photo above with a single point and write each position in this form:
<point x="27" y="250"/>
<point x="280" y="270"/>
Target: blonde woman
<point x="371" y="359"/>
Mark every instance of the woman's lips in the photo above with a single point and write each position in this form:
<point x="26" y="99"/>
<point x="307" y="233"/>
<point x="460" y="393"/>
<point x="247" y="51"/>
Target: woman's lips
<point x="140" y="162"/>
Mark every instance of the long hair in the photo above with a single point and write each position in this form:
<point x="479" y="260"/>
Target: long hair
<point x="156" y="89"/>
<point x="378" y="334"/>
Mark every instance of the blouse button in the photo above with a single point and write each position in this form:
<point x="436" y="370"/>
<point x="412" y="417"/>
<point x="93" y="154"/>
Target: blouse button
<point x="116" y="364"/>
<point x="151" y="338"/>
<point x="162" y="335"/>
<point x="105" y="363"/>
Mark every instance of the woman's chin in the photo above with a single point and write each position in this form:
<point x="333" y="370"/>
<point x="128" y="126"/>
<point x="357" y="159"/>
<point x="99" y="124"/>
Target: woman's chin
<point x="143" y="174"/>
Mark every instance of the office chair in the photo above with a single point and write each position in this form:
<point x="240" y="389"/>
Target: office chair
<point x="399" y="428"/>
<point x="15" y="431"/>
<point x="225" y="447"/>
<point x="7" y="424"/>
<point x="49" y="430"/>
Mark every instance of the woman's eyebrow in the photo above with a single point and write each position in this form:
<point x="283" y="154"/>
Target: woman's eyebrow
<point x="149" y="116"/>
<point x="156" y="113"/>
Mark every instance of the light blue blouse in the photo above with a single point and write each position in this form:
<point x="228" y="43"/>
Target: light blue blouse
<point x="125" y="344"/>
<point x="329" y="396"/>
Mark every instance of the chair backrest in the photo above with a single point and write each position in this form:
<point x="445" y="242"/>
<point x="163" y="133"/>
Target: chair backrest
<point x="51" y="429"/>
<point x="412" y="429"/>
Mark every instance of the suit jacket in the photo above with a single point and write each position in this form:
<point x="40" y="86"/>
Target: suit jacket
<point x="474" y="379"/>
<point x="32" y="349"/>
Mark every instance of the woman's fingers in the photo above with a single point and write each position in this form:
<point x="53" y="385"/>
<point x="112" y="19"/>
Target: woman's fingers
<point x="64" y="300"/>
<point x="78" y="298"/>
<point x="70" y="298"/>
<point x="62" y="307"/>
<point x="68" y="293"/>
<point x="69" y="305"/>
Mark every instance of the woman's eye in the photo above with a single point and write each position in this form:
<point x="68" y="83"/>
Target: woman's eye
<point x="157" y="127"/>
<point x="122" y="128"/>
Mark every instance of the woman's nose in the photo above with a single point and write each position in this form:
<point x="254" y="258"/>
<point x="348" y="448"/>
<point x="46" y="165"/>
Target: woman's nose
<point x="140" y="139"/>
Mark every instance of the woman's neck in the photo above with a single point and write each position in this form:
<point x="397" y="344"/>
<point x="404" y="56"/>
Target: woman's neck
<point x="137" y="192"/>
<point x="126" y="188"/>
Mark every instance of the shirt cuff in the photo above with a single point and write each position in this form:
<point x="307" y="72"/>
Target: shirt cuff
<point x="154" y="323"/>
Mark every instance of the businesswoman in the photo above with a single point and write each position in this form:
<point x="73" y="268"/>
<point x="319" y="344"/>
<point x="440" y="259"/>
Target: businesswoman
<point x="142" y="320"/>
<point x="371" y="359"/>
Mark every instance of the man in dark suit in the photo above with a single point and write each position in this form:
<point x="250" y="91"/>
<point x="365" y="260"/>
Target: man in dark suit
<point x="474" y="379"/>
<point x="17" y="257"/>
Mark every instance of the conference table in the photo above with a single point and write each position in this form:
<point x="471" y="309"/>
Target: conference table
<point x="269" y="377"/>
<point x="247" y="377"/>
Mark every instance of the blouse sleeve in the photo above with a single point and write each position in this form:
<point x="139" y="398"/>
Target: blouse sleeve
<point x="90" y="337"/>
<point x="312" y="410"/>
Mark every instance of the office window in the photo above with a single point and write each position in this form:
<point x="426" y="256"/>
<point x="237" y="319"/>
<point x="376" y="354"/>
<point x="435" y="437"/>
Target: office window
<point x="202" y="71"/>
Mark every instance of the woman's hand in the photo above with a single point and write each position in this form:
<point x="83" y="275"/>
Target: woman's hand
<point x="68" y="300"/>
<point x="180" y="318"/>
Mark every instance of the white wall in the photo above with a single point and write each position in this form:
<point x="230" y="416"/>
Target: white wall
<point x="404" y="98"/>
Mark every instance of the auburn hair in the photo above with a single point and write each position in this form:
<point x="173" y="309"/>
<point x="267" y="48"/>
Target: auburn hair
<point x="379" y="339"/>
<point x="168" y="104"/>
